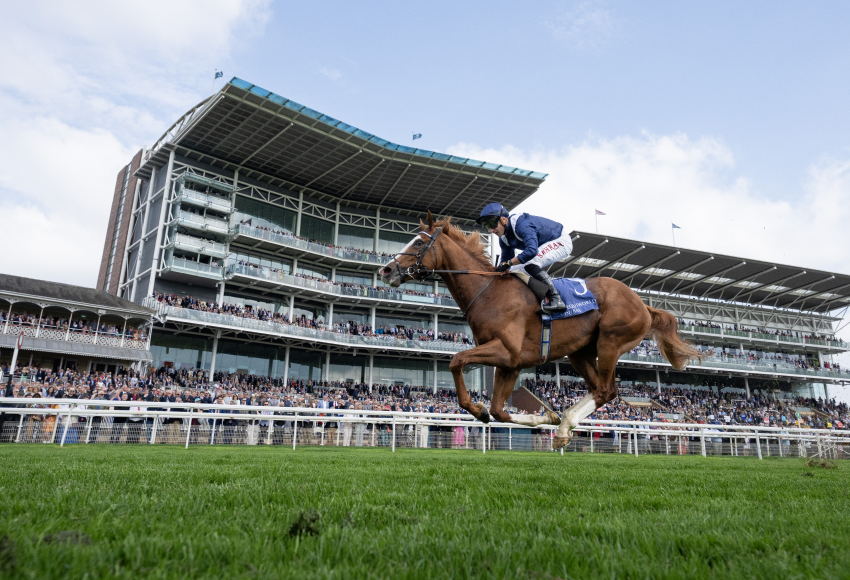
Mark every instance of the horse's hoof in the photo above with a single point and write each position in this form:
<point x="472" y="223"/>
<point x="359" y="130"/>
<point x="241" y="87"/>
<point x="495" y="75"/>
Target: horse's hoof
<point x="484" y="417"/>
<point x="553" y="418"/>
<point x="559" y="442"/>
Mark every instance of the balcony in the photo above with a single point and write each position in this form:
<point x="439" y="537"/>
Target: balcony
<point x="286" y="330"/>
<point x="367" y="294"/>
<point x="199" y="246"/>
<point x="202" y="223"/>
<point x="184" y="266"/>
<point x="74" y="336"/>
<point x="274" y="241"/>
<point x="777" y="339"/>
<point x="762" y="367"/>
<point x="198" y="199"/>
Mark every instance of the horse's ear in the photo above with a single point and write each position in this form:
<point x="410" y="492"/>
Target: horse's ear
<point x="430" y="220"/>
<point x="423" y="225"/>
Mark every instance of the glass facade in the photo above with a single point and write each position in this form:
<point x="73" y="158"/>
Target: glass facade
<point x="264" y="214"/>
<point x="392" y="242"/>
<point x="317" y="230"/>
<point x="187" y="352"/>
<point x="354" y="237"/>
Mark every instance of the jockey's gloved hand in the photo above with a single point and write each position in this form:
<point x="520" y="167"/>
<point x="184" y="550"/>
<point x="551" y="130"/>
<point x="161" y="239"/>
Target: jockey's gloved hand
<point x="504" y="266"/>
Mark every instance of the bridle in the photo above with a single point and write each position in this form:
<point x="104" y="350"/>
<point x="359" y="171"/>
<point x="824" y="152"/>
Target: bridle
<point x="418" y="267"/>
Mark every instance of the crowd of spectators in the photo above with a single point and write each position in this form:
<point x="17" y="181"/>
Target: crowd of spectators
<point x="701" y="405"/>
<point x="288" y="234"/>
<point x="349" y="327"/>
<point x="78" y="325"/>
<point x="349" y="286"/>
<point x="752" y="357"/>
<point x="761" y="330"/>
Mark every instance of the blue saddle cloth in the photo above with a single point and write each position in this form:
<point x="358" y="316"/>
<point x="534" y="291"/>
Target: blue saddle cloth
<point x="576" y="296"/>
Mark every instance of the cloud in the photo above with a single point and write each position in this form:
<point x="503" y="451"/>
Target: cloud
<point x="331" y="73"/>
<point x="583" y="24"/>
<point x="646" y="183"/>
<point x="85" y="85"/>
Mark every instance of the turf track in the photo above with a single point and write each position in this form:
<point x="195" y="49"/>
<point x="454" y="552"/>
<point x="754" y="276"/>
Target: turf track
<point x="167" y="512"/>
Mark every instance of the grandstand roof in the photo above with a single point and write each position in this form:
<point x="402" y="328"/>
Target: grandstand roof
<point x="30" y="288"/>
<point x="271" y="138"/>
<point x="661" y="268"/>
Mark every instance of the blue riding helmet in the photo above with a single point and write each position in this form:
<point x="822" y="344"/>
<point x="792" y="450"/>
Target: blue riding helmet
<point x="492" y="210"/>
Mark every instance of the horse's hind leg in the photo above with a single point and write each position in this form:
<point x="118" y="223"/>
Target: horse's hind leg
<point x="584" y="363"/>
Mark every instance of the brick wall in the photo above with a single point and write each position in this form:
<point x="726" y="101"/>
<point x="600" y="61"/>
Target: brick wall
<point x="123" y="231"/>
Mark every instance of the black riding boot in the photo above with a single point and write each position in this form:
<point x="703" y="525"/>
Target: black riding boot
<point x="555" y="304"/>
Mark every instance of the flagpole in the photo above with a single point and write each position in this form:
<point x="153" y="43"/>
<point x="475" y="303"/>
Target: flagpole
<point x="673" y="231"/>
<point x="214" y="79"/>
<point x="596" y="217"/>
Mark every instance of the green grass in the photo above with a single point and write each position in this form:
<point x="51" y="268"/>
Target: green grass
<point x="167" y="512"/>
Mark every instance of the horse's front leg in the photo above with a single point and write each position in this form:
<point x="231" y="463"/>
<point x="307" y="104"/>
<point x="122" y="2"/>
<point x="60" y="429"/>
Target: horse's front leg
<point x="492" y="353"/>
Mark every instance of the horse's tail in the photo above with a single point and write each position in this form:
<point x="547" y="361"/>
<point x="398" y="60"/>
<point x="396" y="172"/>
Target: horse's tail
<point x="665" y="331"/>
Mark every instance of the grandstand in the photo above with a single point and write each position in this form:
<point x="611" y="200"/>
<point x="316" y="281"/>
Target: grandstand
<point x="284" y="214"/>
<point x="255" y="226"/>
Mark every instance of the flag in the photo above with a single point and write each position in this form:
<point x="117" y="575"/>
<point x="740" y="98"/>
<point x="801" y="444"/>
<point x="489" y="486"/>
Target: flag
<point x="599" y="212"/>
<point x="675" y="227"/>
<point x="417" y="136"/>
<point x="218" y="74"/>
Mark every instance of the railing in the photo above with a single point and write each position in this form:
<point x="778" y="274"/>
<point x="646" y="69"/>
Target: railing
<point x="204" y="200"/>
<point x="200" y="245"/>
<point x="192" y="220"/>
<point x="694" y="329"/>
<point x="386" y="341"/>
<point x="75" y="335"/>
<point x="329" y="288"/>
<point x="194" y="267"/>
<point x="321" y="249"/>
<point x="719" y="363"/>
<point x="75" y="421"/>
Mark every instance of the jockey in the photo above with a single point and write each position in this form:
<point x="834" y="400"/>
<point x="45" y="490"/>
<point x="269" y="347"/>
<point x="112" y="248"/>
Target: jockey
<point x="540" y="242"/>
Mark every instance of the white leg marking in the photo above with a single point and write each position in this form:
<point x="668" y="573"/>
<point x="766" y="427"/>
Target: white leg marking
<point x="575" y="414"/>
<point x="531" y="420"/>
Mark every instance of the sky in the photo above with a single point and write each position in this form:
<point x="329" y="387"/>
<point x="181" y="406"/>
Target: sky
<point x="729" y="119"/>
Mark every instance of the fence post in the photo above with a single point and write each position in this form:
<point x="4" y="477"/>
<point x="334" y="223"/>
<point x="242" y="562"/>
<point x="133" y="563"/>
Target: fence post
<point x="591" y="441"/>
<point x="820" y="448"/>
<point x="156" y="424"/>
<point x="702" y="440"/>
<point x="269" y="435"/>
<point x="667" y="443"/>
<point x="188" y="428"/>
<point x="294" y="431"/>
<point x="55" y="426"/>
<point x="758" y="445"/>
<point x="634" y="430"/>
<point x="67" y="424"/>
<point x="20" y="425"/>
<point x="88" y="429"/>
<point x="393" y="433"/>
<point x="510" y="440"/>
<point x="484" y="438"/>
<point x="779" y="441"/>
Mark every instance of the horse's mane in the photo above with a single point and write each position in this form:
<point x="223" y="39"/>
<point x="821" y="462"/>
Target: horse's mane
<point x="470" y="242"/>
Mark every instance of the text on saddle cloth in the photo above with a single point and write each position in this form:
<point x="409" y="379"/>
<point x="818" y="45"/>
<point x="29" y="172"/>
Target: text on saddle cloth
<point x="578" y="298"/>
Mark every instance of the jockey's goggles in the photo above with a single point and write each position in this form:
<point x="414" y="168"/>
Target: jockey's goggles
<point x="491" y="222"/>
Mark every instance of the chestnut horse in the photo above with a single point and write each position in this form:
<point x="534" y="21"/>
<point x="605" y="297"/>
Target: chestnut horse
<point x="503" y="315"/>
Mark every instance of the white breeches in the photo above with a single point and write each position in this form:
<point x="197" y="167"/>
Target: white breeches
<point x="549" y="253"/>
